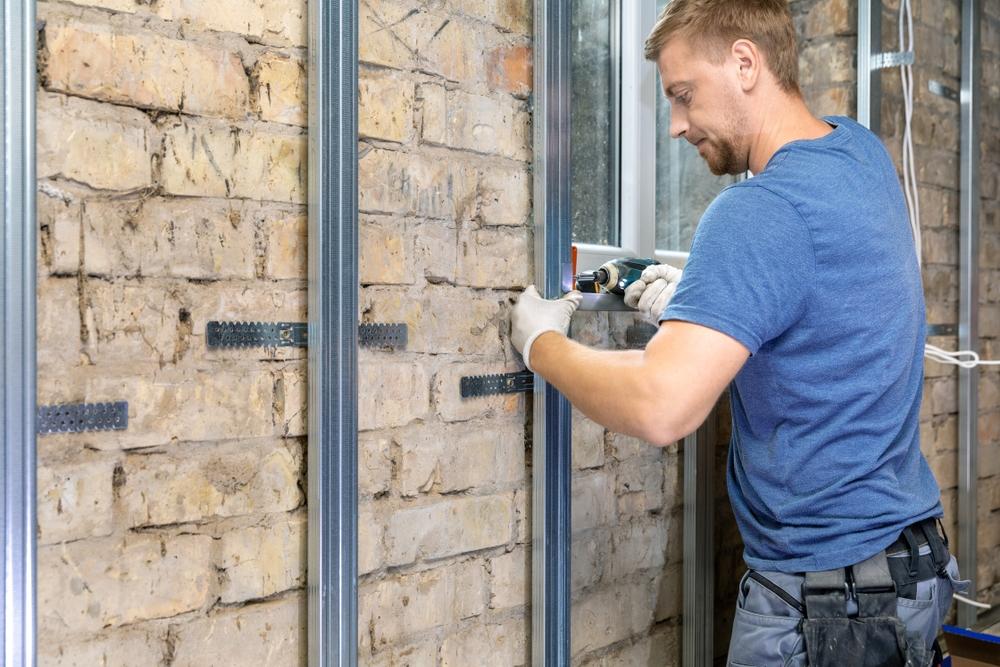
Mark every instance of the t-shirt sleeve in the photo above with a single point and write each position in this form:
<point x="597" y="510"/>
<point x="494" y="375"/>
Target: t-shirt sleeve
<point x="750" y="268"/>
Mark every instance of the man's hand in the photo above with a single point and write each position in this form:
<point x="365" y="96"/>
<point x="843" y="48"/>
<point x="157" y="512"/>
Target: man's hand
<point x="532" y="316"/>
<point x="653" y="291"/>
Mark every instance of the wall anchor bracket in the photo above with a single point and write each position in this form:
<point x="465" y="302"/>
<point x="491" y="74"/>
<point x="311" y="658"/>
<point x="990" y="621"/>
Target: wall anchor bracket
<point x="80" y="417"/>
<point x="886" y="60"/>
<point x="295" y="334"/>
<point x="506" y="383"/>
<point x="256" y="334"/>
<point x="392" y="336"/>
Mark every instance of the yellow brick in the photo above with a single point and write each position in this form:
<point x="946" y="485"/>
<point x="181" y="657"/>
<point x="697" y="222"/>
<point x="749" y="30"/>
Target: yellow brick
<point x="215" y="161"/>
<point x="259" y="561"/>
<point x="102" y="146"/>
<point x="74" y="500"/>
<point x="281" y="22"/>
<point x="385" y="253"/>
<point x="145" y="70"/>
<point x="413" y="184"/>
<point x="272" y="634"/>
<point x="494" y="258"/>
<point x="287" y="243"/>
<point x="120" y="648"/>
<point x="390" y="394"/>
<point x="281" y="89"/>
<point x="198" y="483"/>
<point x="58" y="324"/>
<point x="59" y="231"/>
<point x="88" y="585"/>
<point x="189" y="238"/>
<point x="385" y="107"/>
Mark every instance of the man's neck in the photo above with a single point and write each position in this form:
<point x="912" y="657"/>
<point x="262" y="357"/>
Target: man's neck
<point x="774" y="130"/>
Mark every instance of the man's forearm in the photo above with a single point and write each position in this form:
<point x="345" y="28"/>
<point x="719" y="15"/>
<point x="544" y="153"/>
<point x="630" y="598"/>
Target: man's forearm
<point x="610" y="387"/>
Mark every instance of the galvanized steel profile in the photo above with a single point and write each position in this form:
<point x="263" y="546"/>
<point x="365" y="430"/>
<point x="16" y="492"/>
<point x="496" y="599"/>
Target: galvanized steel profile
<point x="968" y="317"/>
<point x="333" y="333"/>
<point x="17" y="334"/>
<point x="550" y="535"/>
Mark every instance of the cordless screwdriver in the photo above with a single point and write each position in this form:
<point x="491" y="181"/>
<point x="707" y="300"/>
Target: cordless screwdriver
<point x="613" y="276"/>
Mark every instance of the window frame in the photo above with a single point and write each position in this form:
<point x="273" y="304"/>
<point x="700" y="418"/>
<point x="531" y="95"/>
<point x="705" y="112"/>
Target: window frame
<point x="634" y="123"/>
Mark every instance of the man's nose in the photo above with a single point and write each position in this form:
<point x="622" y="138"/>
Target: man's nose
<point x="678" y="123"/>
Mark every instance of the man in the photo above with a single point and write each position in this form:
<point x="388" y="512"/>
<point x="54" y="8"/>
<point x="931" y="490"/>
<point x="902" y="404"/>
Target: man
<point x="802" y="294"/>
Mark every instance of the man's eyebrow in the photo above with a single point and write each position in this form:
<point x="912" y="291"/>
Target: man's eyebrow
<point x="680" y="84"/>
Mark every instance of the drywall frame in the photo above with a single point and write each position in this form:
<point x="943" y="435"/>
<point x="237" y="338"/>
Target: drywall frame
<point x="18" y="644"/>
<point x="333" y="334"/>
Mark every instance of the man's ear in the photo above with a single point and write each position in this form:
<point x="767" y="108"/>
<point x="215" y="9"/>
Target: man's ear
<point x="748" y="59"/>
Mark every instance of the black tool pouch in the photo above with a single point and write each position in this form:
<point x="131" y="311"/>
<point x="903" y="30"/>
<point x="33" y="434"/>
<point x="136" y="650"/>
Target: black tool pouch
<point x="876" y="637"/>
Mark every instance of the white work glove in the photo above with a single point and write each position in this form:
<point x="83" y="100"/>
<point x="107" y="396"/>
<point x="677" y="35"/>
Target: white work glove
<point x="653" y="291"/>
<point x="532" y="316"/>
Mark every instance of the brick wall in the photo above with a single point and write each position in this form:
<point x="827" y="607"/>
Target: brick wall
<point x="445" y="240"/>
<point x="171" y="156"/>
<point x="171" y="164"/>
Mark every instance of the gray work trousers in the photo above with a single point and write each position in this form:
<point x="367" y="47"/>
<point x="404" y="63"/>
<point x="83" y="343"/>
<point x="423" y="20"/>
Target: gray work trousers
<point x="766" y="628"/>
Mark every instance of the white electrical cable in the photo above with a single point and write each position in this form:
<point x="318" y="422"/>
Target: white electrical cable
<point x="962" y="358"/>
<point x="972" y="603"/>
<point x="910" y="190"/>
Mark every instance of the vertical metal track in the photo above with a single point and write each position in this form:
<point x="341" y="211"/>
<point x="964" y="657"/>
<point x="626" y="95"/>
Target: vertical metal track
<point x="869" y="80"/>
<point x="333" y="333"/>
<point x="552" y="416"/>
<point x="968" y="326"/>
<point x="699" y="548"/>
<point x="17" y="334"/>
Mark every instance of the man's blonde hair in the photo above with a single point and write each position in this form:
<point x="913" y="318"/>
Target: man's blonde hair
<point x="713" y="25"/>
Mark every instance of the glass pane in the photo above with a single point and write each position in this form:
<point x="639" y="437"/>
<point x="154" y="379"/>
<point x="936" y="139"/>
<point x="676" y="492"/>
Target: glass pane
<point x="593" y="136"/>
<point x="684" y="185"/>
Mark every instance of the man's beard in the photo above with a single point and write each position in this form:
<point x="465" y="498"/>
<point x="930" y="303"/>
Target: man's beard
<point x="722" y="154"/>
<point x="722" y="160"/>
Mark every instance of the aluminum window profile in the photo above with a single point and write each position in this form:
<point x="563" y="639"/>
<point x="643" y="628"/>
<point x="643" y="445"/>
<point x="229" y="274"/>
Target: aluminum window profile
<point x="333" y="334"/>
<point x="636" y="164"/>
<point x="18" y="644"/>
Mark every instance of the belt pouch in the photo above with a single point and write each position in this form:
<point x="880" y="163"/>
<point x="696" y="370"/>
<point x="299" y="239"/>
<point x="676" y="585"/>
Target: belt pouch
<point x="876" y="637"/>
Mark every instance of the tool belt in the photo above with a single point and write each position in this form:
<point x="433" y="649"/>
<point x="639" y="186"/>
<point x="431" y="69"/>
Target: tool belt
<point x="875" y="637"/>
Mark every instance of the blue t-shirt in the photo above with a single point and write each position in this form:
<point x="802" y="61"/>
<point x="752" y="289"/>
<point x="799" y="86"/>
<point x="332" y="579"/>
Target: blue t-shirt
<point x="811" y="265"/>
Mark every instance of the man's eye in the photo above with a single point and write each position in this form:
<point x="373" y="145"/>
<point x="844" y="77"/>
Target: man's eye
<point x="684" y="99"/>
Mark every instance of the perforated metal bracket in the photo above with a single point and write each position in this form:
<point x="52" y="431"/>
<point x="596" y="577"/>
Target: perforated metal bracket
<point x="80" y="417"/>
<point x="489" y="385"/>
<point x="295" y="334"/>
<point x="886" y="60"/>
<point x="638" y="335"/>
<point x="256" y="334"/>
<point x="392" y="336"/>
